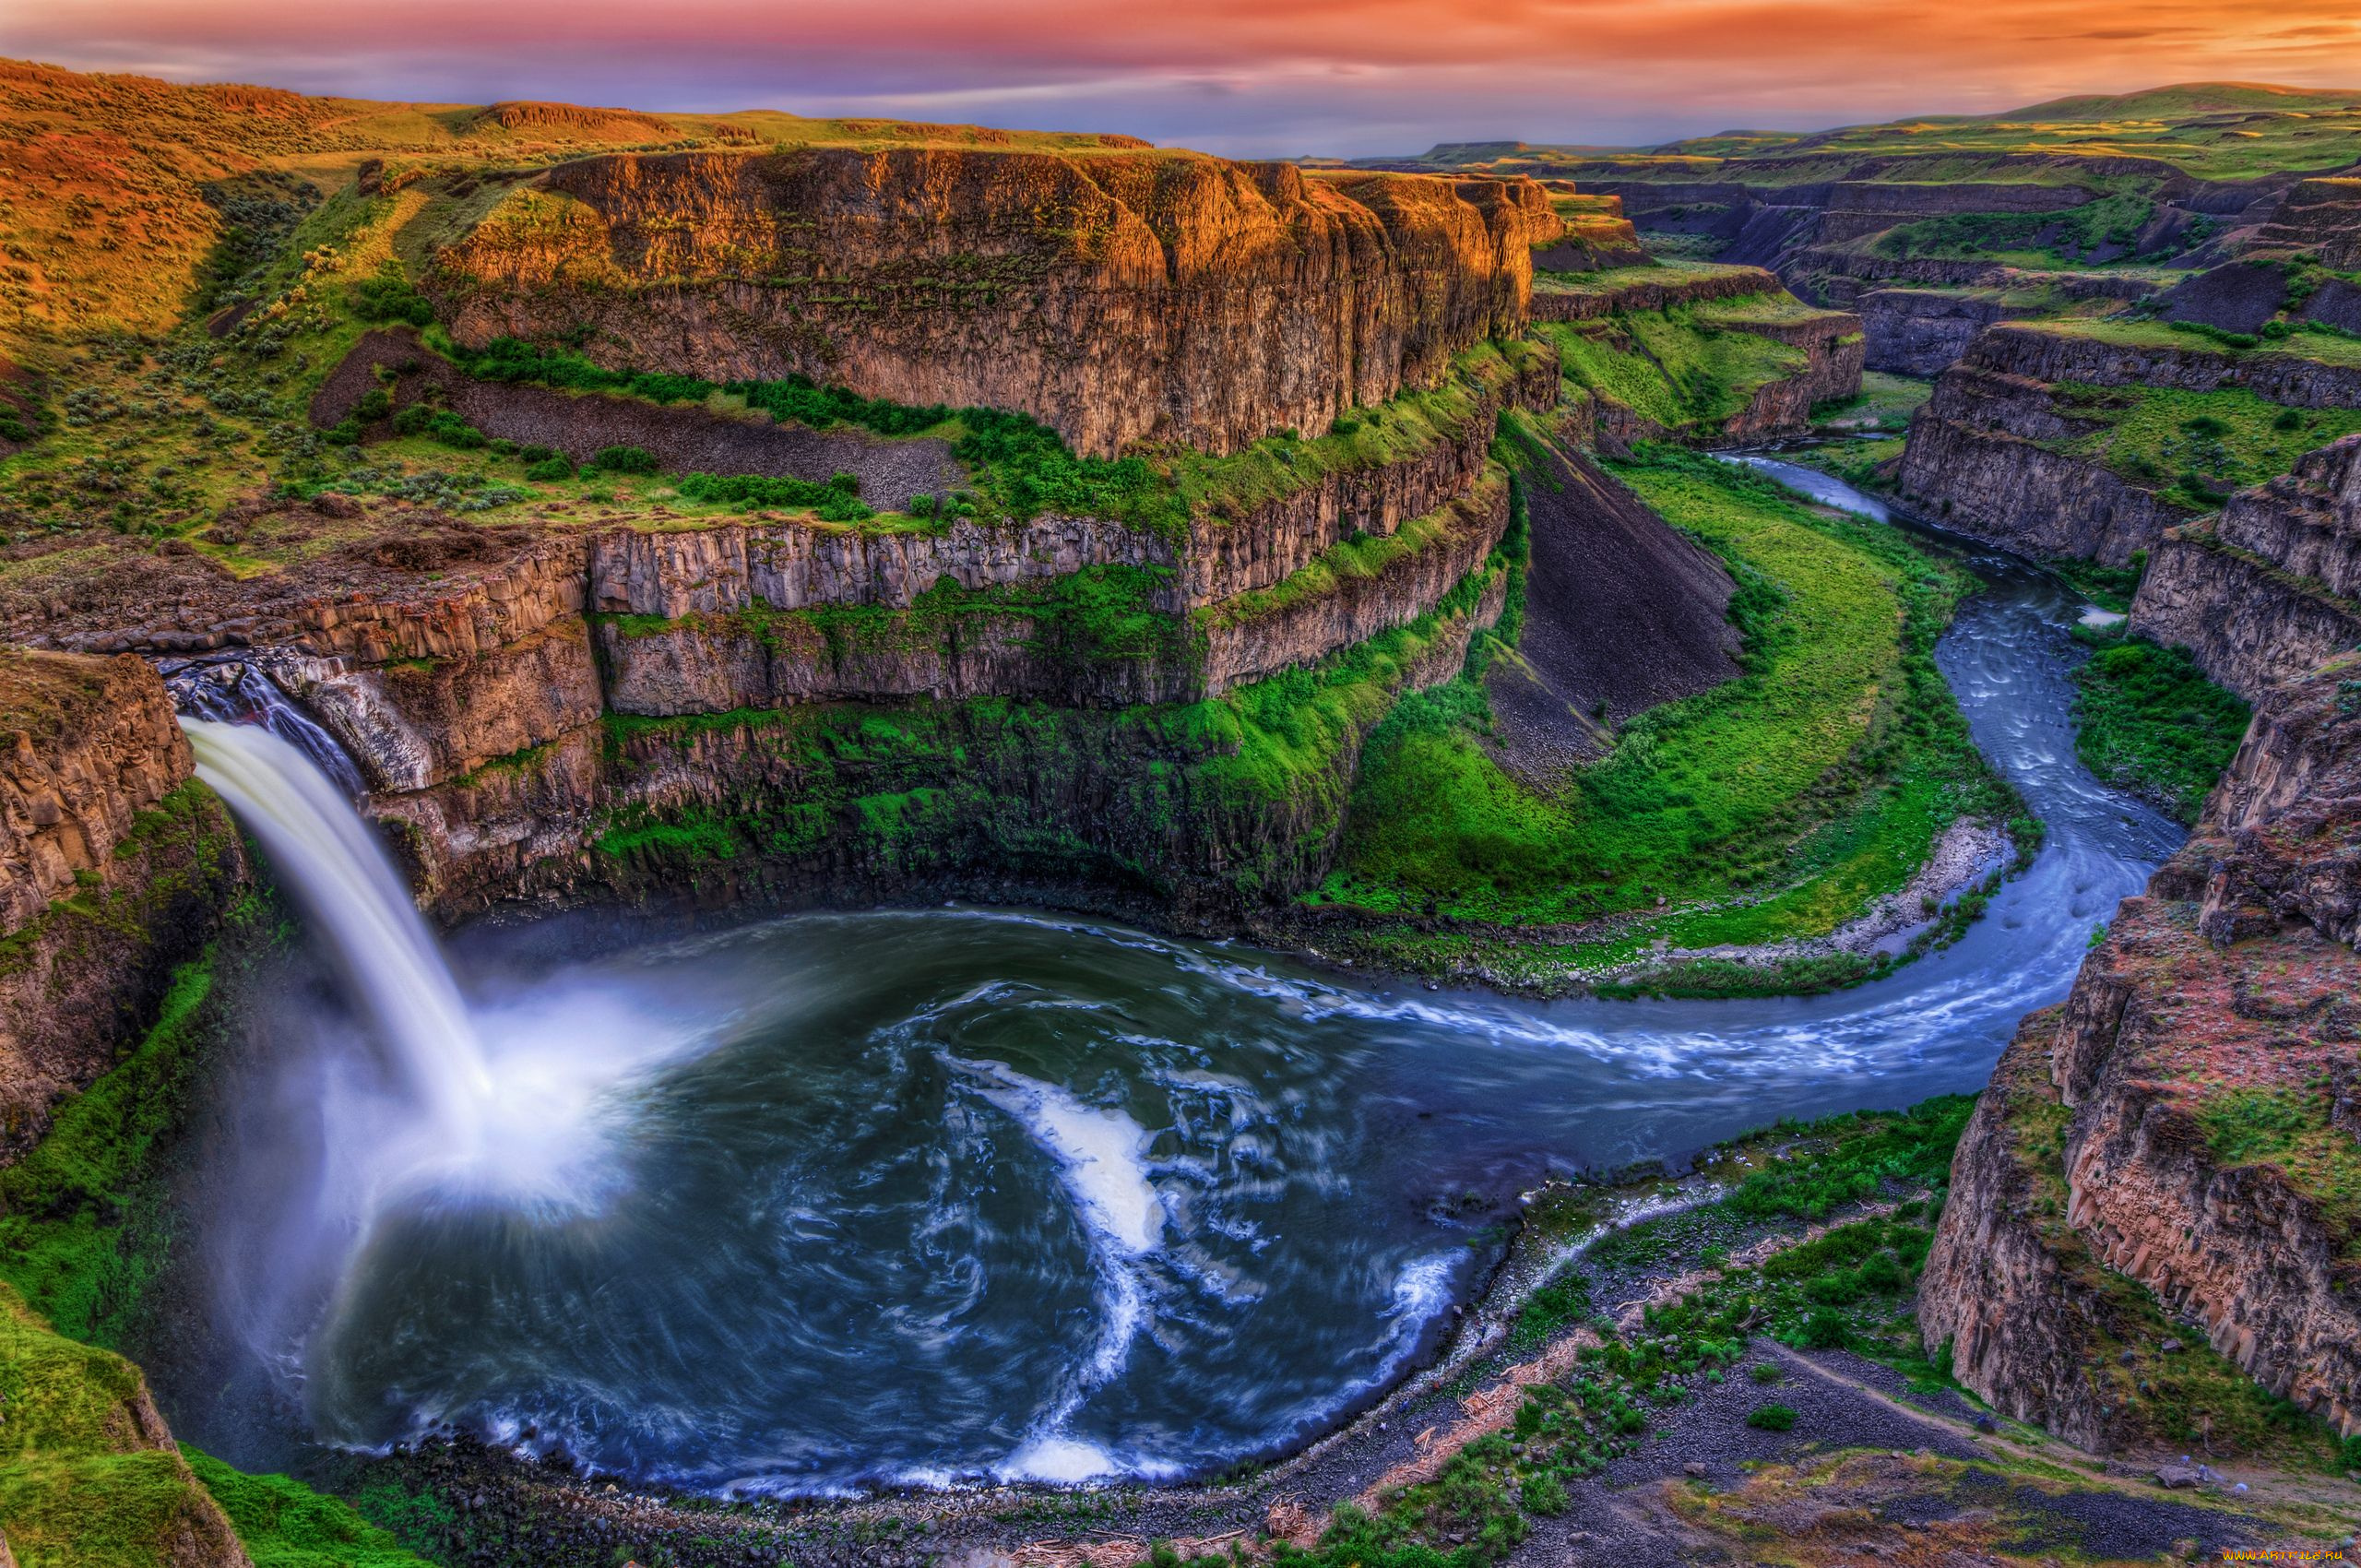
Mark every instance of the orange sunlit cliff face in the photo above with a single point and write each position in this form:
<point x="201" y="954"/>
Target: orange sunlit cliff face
<point x="1277" y="77"/>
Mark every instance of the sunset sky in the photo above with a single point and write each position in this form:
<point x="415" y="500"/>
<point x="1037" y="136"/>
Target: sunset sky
<point x="1246" y="77"/>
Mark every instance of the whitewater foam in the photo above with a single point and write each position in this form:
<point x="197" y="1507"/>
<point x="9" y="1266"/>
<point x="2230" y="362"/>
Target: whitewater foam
<point x="1102" y="1160"/>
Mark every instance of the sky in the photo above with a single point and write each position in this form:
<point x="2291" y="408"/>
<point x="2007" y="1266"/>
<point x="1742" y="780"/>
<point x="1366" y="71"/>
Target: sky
<point x="1247" y="77"/>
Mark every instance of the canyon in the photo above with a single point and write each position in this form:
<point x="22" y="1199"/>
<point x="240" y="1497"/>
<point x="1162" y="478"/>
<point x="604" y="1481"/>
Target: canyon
<point x="691" y="528"/>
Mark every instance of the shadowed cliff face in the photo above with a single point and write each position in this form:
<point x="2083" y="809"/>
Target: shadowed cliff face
<point x="1119" y="298"/>
<point x="113" y="869"/>
<point x="1993" y="452"/>
<point x="2273" y="586"/>
<point x="2185" y="1126"/>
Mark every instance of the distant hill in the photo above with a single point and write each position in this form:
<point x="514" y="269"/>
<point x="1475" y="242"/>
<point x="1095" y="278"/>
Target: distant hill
<point x="2187" y="97"/>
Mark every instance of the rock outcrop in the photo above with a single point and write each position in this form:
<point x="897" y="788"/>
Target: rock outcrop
<point x="1615" y="311"/>
<point x="1647" y="288"/>
<point x="1923" y="332"/>
<point x="113" y="867"/>
<point x="94" y="1474"/>
<point x="1119" y="297"/>
<point x="2274" y="587"/>
<point x="2319" y="216"/>
<point x="683" y="438"/>
<point x="1990" y="453"/>
<point x="2175" y="1142"/>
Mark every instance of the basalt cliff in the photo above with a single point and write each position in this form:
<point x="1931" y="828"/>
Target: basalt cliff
<point x="2165" y="1163"/>
<point x="1118" y="297"/>
<point x="2271" y="587"/>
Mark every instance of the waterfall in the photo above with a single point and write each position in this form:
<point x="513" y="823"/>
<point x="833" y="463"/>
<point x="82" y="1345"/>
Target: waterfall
<point x="329" y="858"/>
<point x="236" y="691"/>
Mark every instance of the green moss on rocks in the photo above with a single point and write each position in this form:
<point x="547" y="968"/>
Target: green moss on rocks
<point x="284" y="1524"/>
<point x="84" y="1232"/>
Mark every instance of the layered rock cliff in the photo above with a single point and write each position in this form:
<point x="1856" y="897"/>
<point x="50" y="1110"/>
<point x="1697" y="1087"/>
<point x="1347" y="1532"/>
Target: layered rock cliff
<point x="1647" y="345"/>
<point x="1118" y="297"/>
<point x="1924" y="331"/>
<point x="1994" y="452"/>
<point x="113" y="866"/>
<point x="2273" y="586"/>
<point x="2178" y="1144"/>
<point x="2319" y="216"/>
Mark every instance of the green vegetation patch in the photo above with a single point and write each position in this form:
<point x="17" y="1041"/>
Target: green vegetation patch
<point x="80" y="1485"/>
<point x="2290" y="1129"/>
<point x="1679" y="368"/>
<point x="1884" y="403"/>
<point x="2146" y="719"/>
<point x="1861" y="463"/>
<point x="284" y="1524"/>
<point x="2195" y="447"/>
<point x="2102" y="230"/>
<point x="1778" y="804"/>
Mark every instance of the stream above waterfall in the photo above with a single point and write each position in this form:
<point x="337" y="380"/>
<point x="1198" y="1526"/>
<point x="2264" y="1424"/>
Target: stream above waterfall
<point x="931" y="1196"/>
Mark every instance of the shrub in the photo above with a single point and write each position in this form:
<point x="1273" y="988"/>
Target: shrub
<point x="1544" y="1494"/>
<point x="1835" y="1290"/>
<point x="389" y="298"/>
<point x="1770" y="1418"/>
<point x="1548" y="1309"/>
<point x="624" y="460"/>
<point x="1764" y="1371"/>
<point x="550" y="469"/>
<point x="375" y="405"/>
<point x="836" y="500"/>
<point x="536" y="454"/>
<point x="1825" y="1331"/>
<point x="344" y="433"/>
<point x="2289" y="419"/>
<point x="412" y="419"/>
<point x="1883" y="1274"/>
<point x="452" y="431"/>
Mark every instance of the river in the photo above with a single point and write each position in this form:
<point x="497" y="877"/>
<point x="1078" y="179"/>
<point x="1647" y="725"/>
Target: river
<point x="927" y="1196"/>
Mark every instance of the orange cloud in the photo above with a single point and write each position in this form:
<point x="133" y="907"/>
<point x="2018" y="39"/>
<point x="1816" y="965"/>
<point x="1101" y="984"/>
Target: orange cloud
<point x="1237" y="75"/>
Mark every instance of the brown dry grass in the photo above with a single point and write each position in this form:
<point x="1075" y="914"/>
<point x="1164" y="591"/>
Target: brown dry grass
<point x="103" y="222"/>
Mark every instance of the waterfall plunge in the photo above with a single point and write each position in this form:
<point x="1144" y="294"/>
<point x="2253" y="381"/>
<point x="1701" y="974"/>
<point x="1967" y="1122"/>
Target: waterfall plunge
<point x="515" y="1102"/>
<point x="327" y="856"/>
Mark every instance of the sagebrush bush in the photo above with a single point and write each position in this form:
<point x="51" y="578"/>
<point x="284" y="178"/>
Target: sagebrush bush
<point x="624" y="460"/>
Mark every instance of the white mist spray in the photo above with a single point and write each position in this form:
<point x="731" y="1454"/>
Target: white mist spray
<point x="328" y="859"/>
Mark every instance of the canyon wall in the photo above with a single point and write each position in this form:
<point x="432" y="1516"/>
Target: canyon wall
<point x="792" y="708"/>
<point x="1119" y="297"/>
<point x="1993" y="453"/>
<point x="2165" y="1149"/>
<point x="114" y="866"/>
<point x="1923" y="332"/>
<point x="2272" y="586"/>
<point x="1777" y="400"/>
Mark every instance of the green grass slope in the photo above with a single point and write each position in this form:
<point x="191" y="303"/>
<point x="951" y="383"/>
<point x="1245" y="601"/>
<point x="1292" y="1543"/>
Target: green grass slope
<point x="1777" y="805"/>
